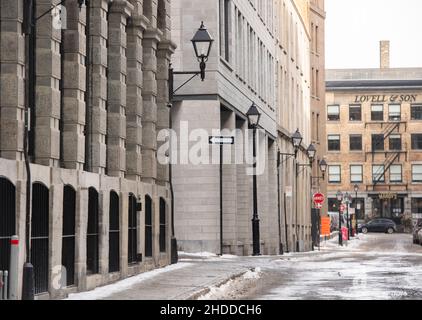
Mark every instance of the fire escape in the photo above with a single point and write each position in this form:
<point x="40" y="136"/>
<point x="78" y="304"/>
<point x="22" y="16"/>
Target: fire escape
<point x="396" y="154"/>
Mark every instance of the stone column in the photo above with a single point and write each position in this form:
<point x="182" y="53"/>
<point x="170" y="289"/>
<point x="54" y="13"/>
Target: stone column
<point x="117" y="75"/>
<point x="134" y="97"/>
<point x="149" y="95"/>
<point x="47" y="104"/>
<point x="165" y="50"/>
<point x="81" y="234"/>
<point x="74" y="88"/>
<point x="96" y="126"/>
<point x="12" y="83"/>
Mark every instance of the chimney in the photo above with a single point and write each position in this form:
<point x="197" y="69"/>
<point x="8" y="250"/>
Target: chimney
<point x="384" y="54"/>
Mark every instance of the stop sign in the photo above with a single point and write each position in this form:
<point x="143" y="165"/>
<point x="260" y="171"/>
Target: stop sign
<point x="319" y="198"/>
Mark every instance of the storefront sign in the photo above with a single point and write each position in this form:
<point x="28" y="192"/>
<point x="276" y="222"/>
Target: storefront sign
<point x="386" y="98"/>
<point x="388" y="196"/>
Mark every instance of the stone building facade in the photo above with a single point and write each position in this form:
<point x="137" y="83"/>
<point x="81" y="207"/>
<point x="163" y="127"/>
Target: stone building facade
<point x="100" y="200"/>
<point x="260" y="55"/>
<point x="374" y="139"/>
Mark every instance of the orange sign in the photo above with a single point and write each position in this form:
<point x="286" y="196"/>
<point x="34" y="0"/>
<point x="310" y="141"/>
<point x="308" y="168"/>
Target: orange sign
<point x="325" y="226"/>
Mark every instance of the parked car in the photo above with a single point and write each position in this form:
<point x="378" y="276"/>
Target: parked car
<point x="378" y="225"/>
<point x="416" y="230"/>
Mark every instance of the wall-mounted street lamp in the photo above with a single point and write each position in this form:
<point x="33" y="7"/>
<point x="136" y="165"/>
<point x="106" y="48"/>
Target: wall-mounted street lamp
<point x="339" y="197"/>
<point x="254" y="116"/>
<point x="202" y="45"/>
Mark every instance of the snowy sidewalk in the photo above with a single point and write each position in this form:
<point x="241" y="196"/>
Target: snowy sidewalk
<point x="193" y="275"/>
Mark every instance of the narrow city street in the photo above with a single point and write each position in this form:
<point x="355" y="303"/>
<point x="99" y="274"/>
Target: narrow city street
<point x="377" y="266"/>
<point x="371" y="267"/>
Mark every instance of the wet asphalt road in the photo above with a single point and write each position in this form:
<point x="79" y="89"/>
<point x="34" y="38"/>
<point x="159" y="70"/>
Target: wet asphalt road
<point x="373" y="267"/>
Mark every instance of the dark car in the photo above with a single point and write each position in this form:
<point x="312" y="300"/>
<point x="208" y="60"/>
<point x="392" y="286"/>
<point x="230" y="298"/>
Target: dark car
<point x="379" y="225"/>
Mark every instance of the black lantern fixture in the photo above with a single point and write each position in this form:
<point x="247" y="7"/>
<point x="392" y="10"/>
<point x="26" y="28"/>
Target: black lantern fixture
<point x="297" y="141"/>
<point x="312" y="152"/>
<point x="202" y="44"/>
<point x="254" y="116"/>
<point x="323" y="167"/>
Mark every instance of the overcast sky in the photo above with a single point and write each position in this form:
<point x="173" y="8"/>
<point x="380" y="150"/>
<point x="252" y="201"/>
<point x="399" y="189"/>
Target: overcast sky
<point x="355" y="27"/>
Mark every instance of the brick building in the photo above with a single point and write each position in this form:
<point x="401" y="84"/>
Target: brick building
<point x="374" y="138"/>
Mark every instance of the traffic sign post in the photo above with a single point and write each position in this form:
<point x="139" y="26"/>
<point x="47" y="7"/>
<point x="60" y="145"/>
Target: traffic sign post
<point x="221" y="141"/>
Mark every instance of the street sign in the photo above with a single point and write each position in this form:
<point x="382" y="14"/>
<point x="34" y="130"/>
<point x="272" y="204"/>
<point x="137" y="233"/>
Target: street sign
<point x="221" y="140"/>
<point x="319" y="198"/>
<point x="318" y="205"/>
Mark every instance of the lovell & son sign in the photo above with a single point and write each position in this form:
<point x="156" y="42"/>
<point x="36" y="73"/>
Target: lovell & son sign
<point x="386" y="99"/>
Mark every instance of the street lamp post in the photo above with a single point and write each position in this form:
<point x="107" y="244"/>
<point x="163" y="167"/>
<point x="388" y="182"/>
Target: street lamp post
<point x="339" y="200"/>
<point x="202" y="44"/>
<point x="347" y="198"/>
<point x="254" y="116"/>
<point x="356" y="208"/>
<point x="296" y="141"/>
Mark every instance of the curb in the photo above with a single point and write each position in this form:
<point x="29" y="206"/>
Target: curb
<point x="217" y="284"/>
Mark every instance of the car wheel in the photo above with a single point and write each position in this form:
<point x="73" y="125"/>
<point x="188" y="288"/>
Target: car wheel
<point x="364" y="230"/>
<point x="390" y="230"/>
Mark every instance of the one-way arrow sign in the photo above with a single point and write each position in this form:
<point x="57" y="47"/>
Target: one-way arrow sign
<point x="221" y="140"/>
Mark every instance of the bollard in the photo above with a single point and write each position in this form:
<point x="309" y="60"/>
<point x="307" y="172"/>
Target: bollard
<point x="1" y="285"/>
<point x="14" y="270"/>
<point x="5" y="292"/>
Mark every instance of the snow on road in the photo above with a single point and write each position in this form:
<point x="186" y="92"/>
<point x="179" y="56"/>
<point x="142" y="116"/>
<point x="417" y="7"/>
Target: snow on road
<point x="373" y="267"/>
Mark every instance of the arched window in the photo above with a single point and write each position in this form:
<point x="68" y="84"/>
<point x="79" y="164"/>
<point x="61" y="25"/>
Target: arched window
<point x="68" y="235"/>
<point x="40" y="236"/>
<point x="114" y="234"/>
<point x="92" y="237"/>
<point x="148" y="226"/>
<point x="7" y="220"/>
<point x="163" y="226"/>
<point x="133" y="230"/>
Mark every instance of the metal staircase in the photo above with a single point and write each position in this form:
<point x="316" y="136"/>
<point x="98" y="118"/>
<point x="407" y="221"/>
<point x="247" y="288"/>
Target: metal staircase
<point x="391" y="156"/>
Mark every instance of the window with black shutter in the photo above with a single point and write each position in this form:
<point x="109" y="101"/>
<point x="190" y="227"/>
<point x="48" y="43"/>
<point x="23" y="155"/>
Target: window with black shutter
<point x="133" y="231"/>
<point x="162" y="225"/>
<point x="148" y="226"/>
<point x="114" y="233"/>
<point x="40" y="236"/>
<point x="92" y="237"/>
<point x="68" y="240"/>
